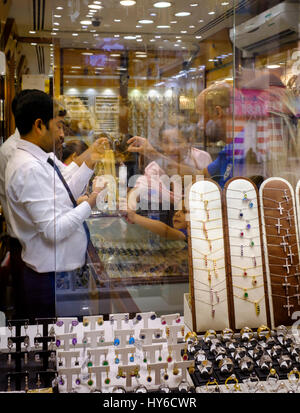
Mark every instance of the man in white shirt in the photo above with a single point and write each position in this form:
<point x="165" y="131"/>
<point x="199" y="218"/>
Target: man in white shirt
<point x="41" y="214"/>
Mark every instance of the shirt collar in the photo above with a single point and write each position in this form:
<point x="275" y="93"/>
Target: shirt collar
<point x="35" y="150"/>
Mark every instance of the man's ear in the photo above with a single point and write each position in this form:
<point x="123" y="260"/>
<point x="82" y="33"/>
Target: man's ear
<point x="38" y="125"/>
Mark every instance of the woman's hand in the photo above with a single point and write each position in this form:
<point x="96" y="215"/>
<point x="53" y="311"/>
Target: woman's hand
<point x="142" y="146"/>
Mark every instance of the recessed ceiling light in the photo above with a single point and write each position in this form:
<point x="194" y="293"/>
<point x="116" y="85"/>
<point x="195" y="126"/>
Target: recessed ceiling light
<point x="268" y="66"/>
<point x="54" y="28"/>
<point x="183" y="31"/>
<point x="94" y="6"/>
<point x="145" y="21"/>
<point x="129" y="37"/>
<point x="153" y="14"/>
<point x="32" y="31"/>
<point x="194" y="4"/>
<point x="53" y="33"/>
<point x="138" y="26"/>
<point x="85" y="22"/>
<point x="211" y="12"/>
<point x="75" y="67"/>
<point x="115" y="55"/>
<point x="117" y="20"/>
<point x="225" y="3"/>
<point x="152" y="40"/>
<point x="157" y="37"/>
<point x="163" y="27"/>
<point x="116" y="35"/>
<point x="56" y="24"/>
<point x="33" y="44"/>
<point x="173" y="22"/>
<point x="139" y="40"/>
<point x="176" y="45"/>
<point x="182" y="14"/>
<point x="198" y="37"/>
<point x="59" y="8"/>
<point x="178" y="37"/>
<point x="192" y="27"/>
<point x="127" y="2"/>
<point x="74" y="34"/>
<point x="58" y="16"/>
<point x="87" y="54"/>
<point x="97" y="2"/>
<point x="162" y="4"/>
<point x="200" y="21"/>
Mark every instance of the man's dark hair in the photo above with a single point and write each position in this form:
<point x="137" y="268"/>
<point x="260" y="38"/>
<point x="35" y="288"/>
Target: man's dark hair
<point x="33" y="106"/>
<point x="19" y="96"/>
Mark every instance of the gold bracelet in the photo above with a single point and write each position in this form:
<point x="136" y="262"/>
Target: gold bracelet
<point x="232" y="377"/>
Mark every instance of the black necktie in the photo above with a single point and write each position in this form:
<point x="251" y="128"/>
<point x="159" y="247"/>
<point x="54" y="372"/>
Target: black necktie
<point x="85" y="226"/>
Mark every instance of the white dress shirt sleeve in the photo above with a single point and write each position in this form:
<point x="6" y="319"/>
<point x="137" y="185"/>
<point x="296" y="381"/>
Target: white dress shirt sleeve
<point x="52" y="212"/>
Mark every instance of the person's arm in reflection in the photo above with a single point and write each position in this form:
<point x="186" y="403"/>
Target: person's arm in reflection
<point x="177" y="232"/>
<point x="93" y="154"/>
<point x="142" y="146"/>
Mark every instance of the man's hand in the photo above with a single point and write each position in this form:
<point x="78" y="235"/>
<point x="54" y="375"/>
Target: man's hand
<point x="142" y="146"/>
<point x="98" y="148"/>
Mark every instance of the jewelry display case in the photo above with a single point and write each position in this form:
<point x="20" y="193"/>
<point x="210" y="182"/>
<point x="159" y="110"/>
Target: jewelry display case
<point x="130" y="269"/>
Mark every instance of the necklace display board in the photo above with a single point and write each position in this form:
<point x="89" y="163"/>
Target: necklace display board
<point x="208" y="281"/>
<point x="280" y="234"/>
<point x="246" y="268"/>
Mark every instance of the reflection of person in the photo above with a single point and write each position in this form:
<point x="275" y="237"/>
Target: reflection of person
<point x="177" y="232"/>
<point x="52" y="234"/>
<point x="72" y="149"/>
<point x="175" y="156"/>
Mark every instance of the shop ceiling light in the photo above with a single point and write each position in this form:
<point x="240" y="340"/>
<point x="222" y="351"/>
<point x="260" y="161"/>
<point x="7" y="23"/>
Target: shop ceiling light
<point x="59" y="8"/>
<point x="182" y="14"/>
<point x="94" y="6"/>
<point x="162" y="4"/>
<point x="145" y="21"/>
<point x="87" y="54"/>
<point x="273" y="66"/>
<point x="85" y="22"/>
<point x="74" y="34"/>
<point x="32" y="31"/>
<point x="127" y="2"/>
<point x="211" y="12"/>
<point x="163" y="27"/>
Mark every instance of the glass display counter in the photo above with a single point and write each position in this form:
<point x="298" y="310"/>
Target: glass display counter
<point x="131" y="270"/>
